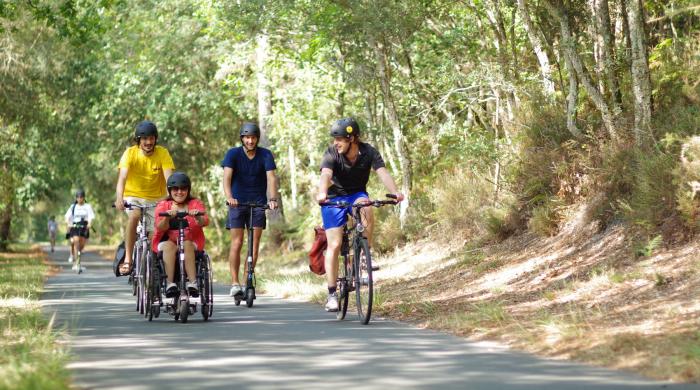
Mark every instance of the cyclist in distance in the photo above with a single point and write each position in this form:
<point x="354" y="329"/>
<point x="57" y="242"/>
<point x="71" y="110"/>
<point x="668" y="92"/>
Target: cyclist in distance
<point x="79" y="219"/>
<point x="143" y="171"/>
<point x="345" y="169"/>
<point x="249" y="176"/>
<point x="166" y="235"/>
<point x="52" y="226"/>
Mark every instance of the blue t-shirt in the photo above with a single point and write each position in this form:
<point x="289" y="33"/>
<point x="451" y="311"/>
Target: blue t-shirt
<point x="249" y="182"/>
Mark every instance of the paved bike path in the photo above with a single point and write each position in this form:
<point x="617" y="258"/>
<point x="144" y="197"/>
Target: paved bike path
<point x="279" y="344"/>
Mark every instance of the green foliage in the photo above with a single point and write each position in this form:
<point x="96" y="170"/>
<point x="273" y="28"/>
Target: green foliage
<point x="649" y="247"/>
<point x="546" y="217"/>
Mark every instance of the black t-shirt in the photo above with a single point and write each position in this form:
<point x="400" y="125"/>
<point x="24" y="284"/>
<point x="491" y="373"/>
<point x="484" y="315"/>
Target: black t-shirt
<point x="347" y="178"/>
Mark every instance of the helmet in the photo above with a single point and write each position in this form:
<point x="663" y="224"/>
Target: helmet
<point x="146" y="129"/>
<point x="345" y="128"/>
<point x="80" y="193"/>
<point x="250" y="128"/>
<point x="178" y="179"/>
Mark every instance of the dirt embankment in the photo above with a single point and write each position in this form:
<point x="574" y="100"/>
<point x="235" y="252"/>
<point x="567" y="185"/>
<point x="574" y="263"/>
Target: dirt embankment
<point x="602" y="297"/>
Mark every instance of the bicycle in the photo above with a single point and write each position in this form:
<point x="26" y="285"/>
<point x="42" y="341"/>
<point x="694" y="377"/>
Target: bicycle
<point x="251" y="281"/>
<point x="142" y="275"/>
<point x="356" y="272"/>
<point x="79" y="227"/>
<point x="180" y="307"/>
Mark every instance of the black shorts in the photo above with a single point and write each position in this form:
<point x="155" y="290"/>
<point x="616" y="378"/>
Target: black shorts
<point x="80" y="232"/>
<point x="238" y="217"/>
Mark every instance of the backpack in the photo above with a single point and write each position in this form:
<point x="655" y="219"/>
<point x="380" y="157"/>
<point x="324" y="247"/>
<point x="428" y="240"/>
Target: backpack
<point x="119" y="256"/>
<point x="316" y="255"/>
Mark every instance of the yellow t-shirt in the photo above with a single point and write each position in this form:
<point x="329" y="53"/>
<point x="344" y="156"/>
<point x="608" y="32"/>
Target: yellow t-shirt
<point x="145" y="177"/>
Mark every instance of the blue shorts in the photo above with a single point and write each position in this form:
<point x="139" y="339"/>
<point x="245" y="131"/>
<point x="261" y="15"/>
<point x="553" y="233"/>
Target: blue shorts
<point x="238" y="217"/>
<point x="334" y="217"/>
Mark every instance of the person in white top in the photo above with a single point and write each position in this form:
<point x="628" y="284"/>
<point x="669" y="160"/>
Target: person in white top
<point x="79" y="219"/>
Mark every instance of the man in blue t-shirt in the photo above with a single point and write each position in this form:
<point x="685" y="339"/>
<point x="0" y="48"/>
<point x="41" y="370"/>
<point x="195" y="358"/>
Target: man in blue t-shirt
<point x="249" y="177"/>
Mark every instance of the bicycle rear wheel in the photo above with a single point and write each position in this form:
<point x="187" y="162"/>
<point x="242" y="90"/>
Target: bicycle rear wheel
<point x="207" y="294"/>
<point x="138" y="285"/>
<point x="344" y="288"/>
<point x="363" y="280"/>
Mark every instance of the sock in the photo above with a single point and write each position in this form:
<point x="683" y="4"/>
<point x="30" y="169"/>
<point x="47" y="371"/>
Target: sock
<point x="332" y="290"/>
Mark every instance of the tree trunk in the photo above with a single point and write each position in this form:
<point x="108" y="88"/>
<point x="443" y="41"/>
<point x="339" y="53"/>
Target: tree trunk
<point x="607" y="52"/>
<point x="572" y="101"/>
<point x="264" y="95"/>
<point x="291" y="156"/>
<point x="384" y="75"/>
<point x="641" y="83"/>
<point x="536" y="42"/>
<point x="265" y="107"/>
<point x="569" y="46"/>
<point x="7" y="201"/>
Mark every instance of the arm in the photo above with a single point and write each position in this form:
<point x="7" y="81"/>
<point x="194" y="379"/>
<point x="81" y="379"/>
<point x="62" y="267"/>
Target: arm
<point x="324" y="183"/>
<point x="162" y="223"/>
<point x="228" y="177"/>
<point x="388" y="182"/>
<point x="272" y="194"/>
<point x="121" y="183"/>
<point x="198" y="212"/>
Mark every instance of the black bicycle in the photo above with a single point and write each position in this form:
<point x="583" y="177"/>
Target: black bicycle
<point x="356" y="271"/>
<point x="142" y="273"/>
<point x="181" y="305"/>
<point x="250" y="282"/>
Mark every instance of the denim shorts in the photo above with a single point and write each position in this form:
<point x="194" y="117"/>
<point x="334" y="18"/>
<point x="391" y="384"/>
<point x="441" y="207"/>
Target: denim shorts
<point x="238" y="217"/>
<point x="334" y="217"/>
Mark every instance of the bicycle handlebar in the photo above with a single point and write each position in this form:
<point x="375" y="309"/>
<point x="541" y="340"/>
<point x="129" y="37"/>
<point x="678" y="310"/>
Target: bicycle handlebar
<point x="249" y="204"/>
<point x="130" y="206"/>
<point x="375" y="203"/>
<point x="179" y="214"/>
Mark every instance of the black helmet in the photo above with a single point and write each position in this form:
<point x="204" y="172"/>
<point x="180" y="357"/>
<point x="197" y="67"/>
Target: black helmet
<point x="80" y="193"/>
<point x="250" y="128"/>
<point x="146" y="129"/>
<point x="178" y="179"/>
<point x="345" y="128"/>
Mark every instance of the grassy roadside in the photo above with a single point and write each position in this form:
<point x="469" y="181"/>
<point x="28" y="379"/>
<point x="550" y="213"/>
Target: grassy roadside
<point x="30" y="356"/>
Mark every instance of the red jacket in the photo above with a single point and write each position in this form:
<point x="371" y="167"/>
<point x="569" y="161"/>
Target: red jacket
<point x="193" y="232"/>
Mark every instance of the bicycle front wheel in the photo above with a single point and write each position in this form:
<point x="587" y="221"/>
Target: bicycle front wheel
<point x="363" y="280"/>
<point x="149" y="286"/>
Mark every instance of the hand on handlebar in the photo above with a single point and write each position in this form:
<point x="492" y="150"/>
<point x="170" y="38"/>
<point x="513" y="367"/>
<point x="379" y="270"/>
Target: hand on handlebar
<point x="120" y="205"/>
<point x="233" y="202"/>
<point x="321" y="197"/>
<point x="195" y="213"/>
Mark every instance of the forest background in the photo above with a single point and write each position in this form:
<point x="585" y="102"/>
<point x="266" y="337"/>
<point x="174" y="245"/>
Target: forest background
<point x="493" y="115"/>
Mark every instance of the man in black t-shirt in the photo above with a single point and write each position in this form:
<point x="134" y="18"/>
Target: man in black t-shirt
<point x="345" y="170"/>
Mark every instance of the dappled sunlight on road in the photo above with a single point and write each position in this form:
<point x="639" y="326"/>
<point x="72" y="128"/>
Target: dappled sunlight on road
<point x="279" y="344"/>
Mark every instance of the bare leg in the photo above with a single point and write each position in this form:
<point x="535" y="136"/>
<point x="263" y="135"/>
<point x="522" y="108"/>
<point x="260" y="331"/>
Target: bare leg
<point x="189" y="261"/>
<point x="169" y="255"/>
<point x="334" y="236"/>
<point x="130" y="238"/>
<point x="234" y="254"/>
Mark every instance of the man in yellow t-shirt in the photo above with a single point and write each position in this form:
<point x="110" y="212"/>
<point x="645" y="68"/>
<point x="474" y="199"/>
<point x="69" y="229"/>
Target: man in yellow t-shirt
<point x="143" y="171"/>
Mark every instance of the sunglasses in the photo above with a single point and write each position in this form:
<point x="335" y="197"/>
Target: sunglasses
<point x="183" y="189"/>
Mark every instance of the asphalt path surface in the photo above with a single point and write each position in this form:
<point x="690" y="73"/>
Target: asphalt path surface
<point x="280" y="344"/>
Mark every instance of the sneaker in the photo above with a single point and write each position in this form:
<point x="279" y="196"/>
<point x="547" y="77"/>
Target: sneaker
<point x="235" y="291"/>
<point x="70" y="259"/>
<point x="332" y="303"/>
<point x="75" y="267"/>
<point x="171" y="290"/>
<point x="192" y="286"/>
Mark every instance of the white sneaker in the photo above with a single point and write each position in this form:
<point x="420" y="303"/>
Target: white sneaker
<point x="75" y="267"/>
<point x="192" y="286"/>
<point x="332" y="303"/>
<point x="235" y="290"/>
<point x="70" y="259"/>
<point x="171" y="290"/>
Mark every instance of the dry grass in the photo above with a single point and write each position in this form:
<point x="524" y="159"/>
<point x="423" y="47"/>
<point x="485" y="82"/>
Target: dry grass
<point x="583" y="296"/>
